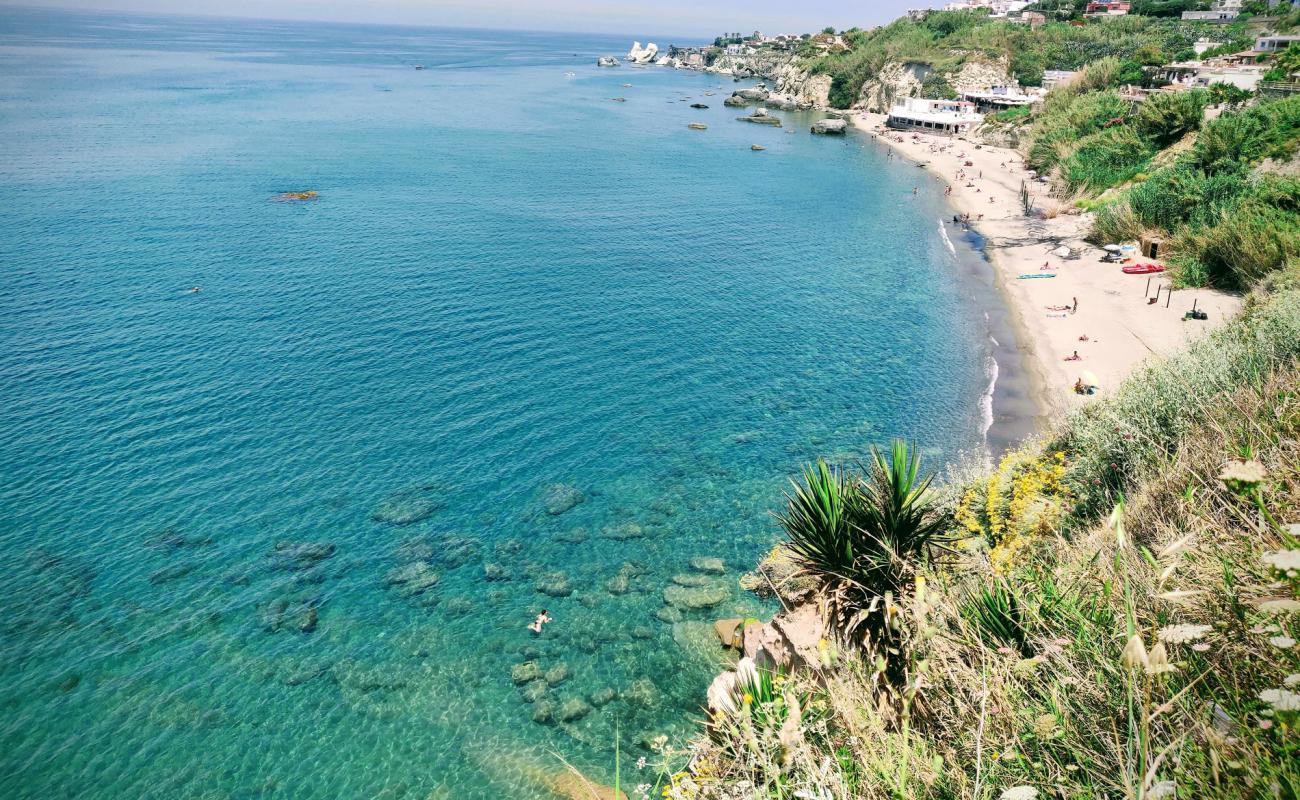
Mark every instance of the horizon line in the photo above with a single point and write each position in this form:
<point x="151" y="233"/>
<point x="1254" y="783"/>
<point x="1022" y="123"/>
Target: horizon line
<point x="70" y="10"/>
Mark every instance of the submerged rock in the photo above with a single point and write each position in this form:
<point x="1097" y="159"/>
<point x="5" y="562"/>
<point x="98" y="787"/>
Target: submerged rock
<point x="544" y="711"/>
<point x="642" y="692"/>
<point x="495" y="572"/>
<point x="555" y="584"/>
<point x="692" y="581"/>
<point x="534" y="691"/>
<point x="708" y="564"/>
<point x="603" y="696"/>
<point x="573" y="536"/>
<point x="286" y="614"/>
<point x="699" y="643"/>
<point x="452" y="551"/>
<point x="172" y="572"/>
<point x="526" y="672"/>
<point x="412" y="579"/>
<point x="575" y="708"/>
<point x="619" y="584"/>
<point x="668" y="614"/>
<point x="300" y="555"/>
<point x="694" y="597"/>
<point x="557" y="674"/>
<point x="623" y="531"/>
<point x="410" y="506"/>
<point x="173" y="539"/>
<point x="698" y="105"/>
<point x="561" y="497"/>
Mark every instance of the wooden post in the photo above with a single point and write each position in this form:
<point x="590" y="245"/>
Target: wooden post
<point x="1169" y="296"/>
<point x="1147" y="293"/>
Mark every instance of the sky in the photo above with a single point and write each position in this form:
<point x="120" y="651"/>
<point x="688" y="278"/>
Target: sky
<point x="700" y="18"/>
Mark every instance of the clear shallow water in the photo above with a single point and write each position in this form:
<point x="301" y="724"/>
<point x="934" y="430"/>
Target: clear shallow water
<point x="508" y="282"/>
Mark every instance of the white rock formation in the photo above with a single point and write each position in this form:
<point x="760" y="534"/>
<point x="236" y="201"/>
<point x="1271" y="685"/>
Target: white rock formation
<point x="643" y="55"/>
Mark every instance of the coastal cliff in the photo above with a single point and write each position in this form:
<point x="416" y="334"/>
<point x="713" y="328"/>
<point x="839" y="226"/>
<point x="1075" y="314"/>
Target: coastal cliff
<point x="897" y="80"/>
<point x="789" y="74"/>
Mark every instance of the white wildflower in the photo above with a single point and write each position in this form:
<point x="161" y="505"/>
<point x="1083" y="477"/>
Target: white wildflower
<point x="1282" y="606"/>
<point x="1179" y="634"/>
<point x="1019" y="793"/>
<point x="1242" y="476"/>
<point x="1282" y="642"/>
<point x="1281" y="699"/>
<point x="1162" y="790"/>
<point x="640" y="763"/>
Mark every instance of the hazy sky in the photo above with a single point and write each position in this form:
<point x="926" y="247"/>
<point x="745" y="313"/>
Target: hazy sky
<point x="632" y="17"/>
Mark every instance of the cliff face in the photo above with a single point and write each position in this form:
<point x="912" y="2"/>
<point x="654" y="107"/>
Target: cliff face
<point x="786" y="72"/>
<point x="900" y="80"/>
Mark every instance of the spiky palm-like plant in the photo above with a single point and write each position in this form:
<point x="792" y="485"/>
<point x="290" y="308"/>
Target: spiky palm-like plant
<point x="863" y="538"/>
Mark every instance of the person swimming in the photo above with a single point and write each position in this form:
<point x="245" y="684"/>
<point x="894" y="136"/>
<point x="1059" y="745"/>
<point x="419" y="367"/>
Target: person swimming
<point x="536" y="625"/>
<point x="194" y="290"/>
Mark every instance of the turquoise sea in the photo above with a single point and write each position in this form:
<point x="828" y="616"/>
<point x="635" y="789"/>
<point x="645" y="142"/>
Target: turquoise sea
<point x="280" y="538"/>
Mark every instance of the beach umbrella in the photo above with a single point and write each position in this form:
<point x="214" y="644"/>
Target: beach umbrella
<point x="1114" y="248"/>
<point x="1089" y="379"/>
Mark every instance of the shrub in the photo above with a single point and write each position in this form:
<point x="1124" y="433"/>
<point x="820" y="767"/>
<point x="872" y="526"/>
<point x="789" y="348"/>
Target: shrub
<point x="1106" y="158"/>
<point x="862" y="538"/>
<point x="1165" y="118"/>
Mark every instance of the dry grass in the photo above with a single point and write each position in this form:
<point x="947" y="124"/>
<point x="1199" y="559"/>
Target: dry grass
<point x="1157" y="636"/>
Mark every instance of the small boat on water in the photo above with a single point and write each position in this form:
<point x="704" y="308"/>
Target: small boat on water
<point x="1143" y="269"/>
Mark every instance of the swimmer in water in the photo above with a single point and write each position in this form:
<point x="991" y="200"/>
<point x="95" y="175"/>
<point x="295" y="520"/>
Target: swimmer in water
<point x="194" y="290"/>
<point x="536" y="625"/>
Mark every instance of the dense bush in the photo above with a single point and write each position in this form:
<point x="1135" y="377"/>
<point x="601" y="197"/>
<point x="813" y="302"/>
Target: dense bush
<point x="1229" y="226"/>
<point x="1106" y="158"/>
<point x="1165" y="118"/>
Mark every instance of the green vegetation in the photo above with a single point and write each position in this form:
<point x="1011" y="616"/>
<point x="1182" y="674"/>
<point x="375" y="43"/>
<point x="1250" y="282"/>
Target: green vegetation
<point x="862" y="537"/>
<point x="1119" y="617"/>
<point x="1228" y="224"/>
<point x="945" y="40"/>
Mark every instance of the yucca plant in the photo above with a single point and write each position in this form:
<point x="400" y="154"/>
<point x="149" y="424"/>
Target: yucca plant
<point x="863" y="538"/>
<point x="996" y="614"/>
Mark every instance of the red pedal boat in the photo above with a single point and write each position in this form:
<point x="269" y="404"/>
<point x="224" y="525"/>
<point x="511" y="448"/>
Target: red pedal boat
<point x="1143" y="269"/>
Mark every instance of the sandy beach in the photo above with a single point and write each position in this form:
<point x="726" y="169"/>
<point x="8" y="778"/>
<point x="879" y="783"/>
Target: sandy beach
<point x="1086" y="298"/>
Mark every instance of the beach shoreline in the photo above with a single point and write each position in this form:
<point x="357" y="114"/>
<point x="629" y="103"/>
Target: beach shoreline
<point x="1109" y="308"/>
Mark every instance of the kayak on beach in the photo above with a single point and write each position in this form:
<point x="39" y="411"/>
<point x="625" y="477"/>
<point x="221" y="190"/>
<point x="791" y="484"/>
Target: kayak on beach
<point x="1029" y="275"/>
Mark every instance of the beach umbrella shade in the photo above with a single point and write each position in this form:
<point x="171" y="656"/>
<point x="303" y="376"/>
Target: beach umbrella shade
<point x="1089" y="379"/>
<point x="1114" y="248"/>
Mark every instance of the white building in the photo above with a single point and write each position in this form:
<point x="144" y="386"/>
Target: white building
<point x="947" y="117"/>
<point x="998" y="98"/>
<point x="1271" y="44"/>
<point x="1055" y="77"/>
<point x="1222" y="15"/>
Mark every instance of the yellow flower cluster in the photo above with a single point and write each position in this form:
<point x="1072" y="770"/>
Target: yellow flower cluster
<point x="1019" y="501"/>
